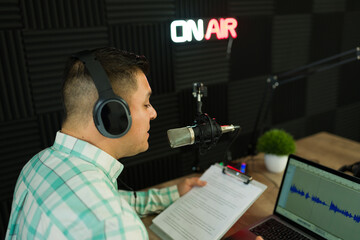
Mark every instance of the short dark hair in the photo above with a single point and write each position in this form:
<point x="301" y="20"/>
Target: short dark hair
<point x="79" y="92"/>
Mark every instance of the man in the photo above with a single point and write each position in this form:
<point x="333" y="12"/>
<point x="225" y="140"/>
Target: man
<point x="69" y="190"/>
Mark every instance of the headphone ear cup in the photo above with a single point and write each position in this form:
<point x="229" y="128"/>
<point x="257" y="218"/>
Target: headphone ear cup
<point x="344" y="168"/>
<point x="356" y="169"/>
<point x="112" y="117"/>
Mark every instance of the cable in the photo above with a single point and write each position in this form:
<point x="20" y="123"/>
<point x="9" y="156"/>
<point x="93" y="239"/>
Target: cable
<point x="229" y="145"/>
<point x="130" y="189"/>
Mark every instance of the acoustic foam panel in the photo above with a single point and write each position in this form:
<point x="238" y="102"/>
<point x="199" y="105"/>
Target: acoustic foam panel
<point x="250" y="7"/>
<point x="49" y="124"/>
<point x="329" y="6"/>
<point x="201" y="8"/>
<point x="54" y="14"/>
<point x="149" y="173"/>
<point x="15" y="97"/>
<point x="326" y="35"/>
<point x="322" y="92"/>
<point x="10" y="15"/>
<point x="244" y="101"/>
<point x="188" y="159"/>
<point x="215" y="104"/>
<point x="251" y="50"/>
<point x="289" y="101"/>
<point x="290" y="42"/>
<point x="350" y="31"/>
<point x="47" y="52"/>
<point x="19" y="142"/>
<point x="214" y="155"/>
<point x="240" y="147"/>
<point x="5" y="209"/>
<point x="349" y="84"/>
<point x="151" y="40"/>
<point x="204" y="62"/>
<point x="324" y="121"/>
<point x="347" y="121"/>
<point x="284" y="7"/>
<point x="295" y="127"/>
<point x="187" y="107"/>
<point x="139" y="11"/>
<point x="352" y="5"/>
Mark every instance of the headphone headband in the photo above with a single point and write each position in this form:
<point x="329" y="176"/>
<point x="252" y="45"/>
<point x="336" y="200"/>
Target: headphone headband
<point x="96" y="71"/>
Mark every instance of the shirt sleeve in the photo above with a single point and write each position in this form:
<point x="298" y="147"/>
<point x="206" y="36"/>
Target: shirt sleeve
<point x="151" y="201"/>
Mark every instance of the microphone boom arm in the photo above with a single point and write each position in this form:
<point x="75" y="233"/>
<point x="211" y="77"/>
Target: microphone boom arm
<point x="199" y="91"/>
<point x="274" y="81"/>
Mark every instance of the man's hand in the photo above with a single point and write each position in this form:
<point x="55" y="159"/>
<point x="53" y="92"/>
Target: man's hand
<point x="188" y="184"/>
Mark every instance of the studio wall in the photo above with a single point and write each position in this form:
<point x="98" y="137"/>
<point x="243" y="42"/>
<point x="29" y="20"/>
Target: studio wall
<point x="36" y="37"/>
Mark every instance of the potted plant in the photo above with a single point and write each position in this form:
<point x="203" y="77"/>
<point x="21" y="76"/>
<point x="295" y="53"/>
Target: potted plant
<point x="276" y="144"/>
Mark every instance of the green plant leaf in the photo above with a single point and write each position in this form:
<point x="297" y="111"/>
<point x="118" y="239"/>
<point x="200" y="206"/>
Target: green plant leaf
<point x="276" y="141"/>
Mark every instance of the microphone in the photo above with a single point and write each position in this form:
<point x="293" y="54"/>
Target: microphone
<point x="204" y="133"/>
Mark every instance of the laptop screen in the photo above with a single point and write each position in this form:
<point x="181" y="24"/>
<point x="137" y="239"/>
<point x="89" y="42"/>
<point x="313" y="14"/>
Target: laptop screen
<point x="322" y="200"/>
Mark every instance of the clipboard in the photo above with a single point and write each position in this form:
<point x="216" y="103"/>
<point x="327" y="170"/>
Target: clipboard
<point x="209" y="212"/>
<point x="237" y="174"/>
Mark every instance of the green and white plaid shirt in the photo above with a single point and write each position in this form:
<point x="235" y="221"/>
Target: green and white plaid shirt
<point x="69" y="191"/>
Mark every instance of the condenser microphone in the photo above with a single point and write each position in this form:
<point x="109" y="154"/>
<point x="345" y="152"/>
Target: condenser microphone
<point x="204" y="133"/>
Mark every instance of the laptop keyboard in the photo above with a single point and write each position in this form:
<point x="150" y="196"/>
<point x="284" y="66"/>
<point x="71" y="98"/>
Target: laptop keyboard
<point x="272" y="229"/>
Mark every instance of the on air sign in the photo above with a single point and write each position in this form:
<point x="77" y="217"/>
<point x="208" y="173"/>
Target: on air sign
<point x="184" y="30"/>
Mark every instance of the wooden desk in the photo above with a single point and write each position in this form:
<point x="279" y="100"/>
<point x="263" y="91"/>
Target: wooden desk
<point x="324" y="148"/>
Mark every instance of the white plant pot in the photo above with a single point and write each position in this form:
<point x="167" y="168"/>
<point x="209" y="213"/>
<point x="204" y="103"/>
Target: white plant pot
<point x="275" y="163"/>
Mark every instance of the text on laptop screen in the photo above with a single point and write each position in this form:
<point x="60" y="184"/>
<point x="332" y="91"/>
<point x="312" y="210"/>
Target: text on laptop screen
<point x="320" y="201"/>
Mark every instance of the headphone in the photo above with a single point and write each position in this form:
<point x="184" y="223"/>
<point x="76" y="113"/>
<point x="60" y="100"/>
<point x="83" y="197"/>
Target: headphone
<point x="354" y="168"/>
<point x="111" y="113"/>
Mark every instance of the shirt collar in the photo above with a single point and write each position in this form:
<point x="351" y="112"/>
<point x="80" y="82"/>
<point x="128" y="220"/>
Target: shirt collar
<point x="88" y="152"/>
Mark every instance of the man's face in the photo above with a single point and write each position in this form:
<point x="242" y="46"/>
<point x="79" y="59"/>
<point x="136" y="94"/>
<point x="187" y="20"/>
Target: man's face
<point x="142" y="112"/>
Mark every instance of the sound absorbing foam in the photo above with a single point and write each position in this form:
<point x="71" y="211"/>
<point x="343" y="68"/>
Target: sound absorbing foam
<point x="15" y="96"/>
<point x="47" y="51"/>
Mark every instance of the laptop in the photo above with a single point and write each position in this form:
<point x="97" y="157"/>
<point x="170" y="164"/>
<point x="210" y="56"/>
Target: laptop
<point x="314" y="202"/>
